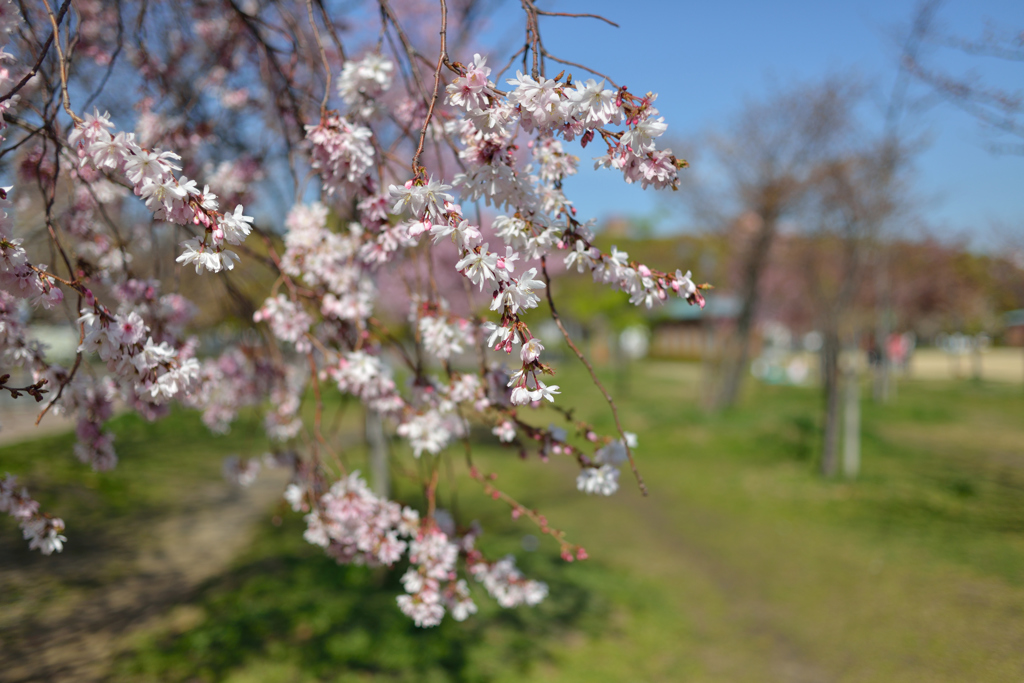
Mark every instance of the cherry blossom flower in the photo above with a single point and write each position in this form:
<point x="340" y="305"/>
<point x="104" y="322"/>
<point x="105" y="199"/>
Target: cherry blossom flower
<point x="43" y="532"/>
<point x="204" y="256"/>
<point x="506" y="431"/>
<point x="603" y="480"/>
<point x="473" y="90"/>
<point x="363" y="82"/>
<point x="531" y="350"/>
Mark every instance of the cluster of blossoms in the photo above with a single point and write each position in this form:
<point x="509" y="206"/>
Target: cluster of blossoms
<point x="173" y="199"/>
<point x="551" y="108"/>
<point x="602" y="477"/>
<point x="335" y="259"/>
<point x="341" y="153"/>
<point x="362" y="84"/>
<point x="147" y="370"/>
<point x="287" y="320"/>
<point x="241" y="471"/>
<point x="95" y="446"/>
<point x="228" y="383"/>
<point x="366" y="376"/>
<point x="339" y="262"/>
<point x="505" y="583"/>
<point x="430" y="583"/>
<point x="442" y="334"/>
<point x="325" y="259"/>
<point x="148" y="364"/>
<point x="40" y="530"/>
<point x="356" y="526"/>
<point x="431" y="431"/>
<point x="18" y="277"/>
<point x="157" y="371"/>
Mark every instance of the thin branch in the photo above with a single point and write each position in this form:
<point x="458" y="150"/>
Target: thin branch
<point x="42" y="55"/>
<point x="577" y="16"/>
<point x="593" y="375"/>
<point x="511" y="60"/>
<point x="331" y="30"/>
<point x="442" y="59"/>
<point x="113" y="60"/>
<point x="323" y="56"/>
<point x="62" y="64"/>
<point x="36" y="390"/>
<point x="548" y="55"/>
<point x="74" y="369"/>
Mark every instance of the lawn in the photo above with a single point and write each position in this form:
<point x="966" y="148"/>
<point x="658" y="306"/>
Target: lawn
<point x="742" y="564"/>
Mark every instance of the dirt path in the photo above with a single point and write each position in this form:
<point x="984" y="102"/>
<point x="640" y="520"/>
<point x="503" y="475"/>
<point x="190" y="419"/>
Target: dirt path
<point x="770" y="600"/>
<point x="81" y="625"/>
<point x="739" y="612"/>
<point x="737" y="597"/>
<point x="18" y="424"/>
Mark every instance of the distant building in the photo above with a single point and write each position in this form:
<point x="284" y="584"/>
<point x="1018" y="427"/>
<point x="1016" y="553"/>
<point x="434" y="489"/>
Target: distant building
<point x="1014" y="335"/>
<point x="688" y="332"/>
<point x="61" y="341"/>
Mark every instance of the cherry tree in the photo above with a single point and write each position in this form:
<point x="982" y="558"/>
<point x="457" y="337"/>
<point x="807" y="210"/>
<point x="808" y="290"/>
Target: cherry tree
<point x="407" y="160"/>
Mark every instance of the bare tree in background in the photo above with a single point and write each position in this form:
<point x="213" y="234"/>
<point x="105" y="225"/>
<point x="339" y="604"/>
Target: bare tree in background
<point x="766" y="160"/>
<point x="999" y="108"/>
<point x="893" y="152"/>
<point x="847" y="202"/>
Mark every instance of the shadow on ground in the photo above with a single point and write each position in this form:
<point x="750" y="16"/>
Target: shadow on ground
<point x="289" y="604"/>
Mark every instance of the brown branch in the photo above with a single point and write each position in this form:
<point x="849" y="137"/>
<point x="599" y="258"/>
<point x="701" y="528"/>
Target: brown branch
<point x="71" y="375"/>
<point x="593" y="376"/>
<point x="331" y="30"/>
<point x="42" y="55"/>
<point x="580" y="66"/>
<point x="509" y="65"/>
<point x="61" y="64"/>
<point x="296" y="110"/>
<point x="580" y="16"/>
<point x="442" y="59"/>
<point x="432" y="492"/>
<point x="569" y="551"/>
<point x="411" y="54"/>
<point x="323" y="57"/>
<point x="532" y="37"/>
<point x="49" y="198"/>
<point x="36" y="390"/>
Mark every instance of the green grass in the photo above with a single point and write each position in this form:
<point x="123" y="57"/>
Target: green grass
<point x="155" y="460"/>
<point x="108" y="514"/>
<point x="286" y="603"/>
<point x="742" y="564"/>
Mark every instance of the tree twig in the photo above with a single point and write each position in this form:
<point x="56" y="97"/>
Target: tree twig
<point x="593" y="376"/>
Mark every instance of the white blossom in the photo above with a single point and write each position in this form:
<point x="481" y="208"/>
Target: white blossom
<point x="603" y="480"/>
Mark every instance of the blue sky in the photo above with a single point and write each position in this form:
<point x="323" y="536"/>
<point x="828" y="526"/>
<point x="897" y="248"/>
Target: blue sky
<point x="706" y="58"/>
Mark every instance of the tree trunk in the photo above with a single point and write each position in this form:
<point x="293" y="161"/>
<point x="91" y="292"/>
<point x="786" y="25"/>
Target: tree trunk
<point x="883" y="371"/>
<point x="380" y="475"/>
<point x="735" y="364"/>
<point x="830" y="375"/>
<point x="710" y="365"/>
<point x="976" y="357"/>
<point x="851" y="422"/>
